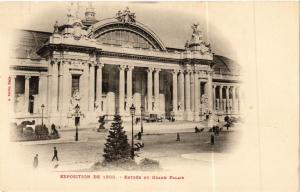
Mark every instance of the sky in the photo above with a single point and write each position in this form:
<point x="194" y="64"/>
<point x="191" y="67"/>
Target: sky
<point x="171" y="21"/>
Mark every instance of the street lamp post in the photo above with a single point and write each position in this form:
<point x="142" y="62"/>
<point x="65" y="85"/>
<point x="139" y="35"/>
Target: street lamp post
<point x="132" y="112"/>
<point x="77" y="118"/>
<point x="142" y="114"/>
<point x="42" y="106"/>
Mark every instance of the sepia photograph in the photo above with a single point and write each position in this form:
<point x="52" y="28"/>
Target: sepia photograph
<point x="149" y="96"/>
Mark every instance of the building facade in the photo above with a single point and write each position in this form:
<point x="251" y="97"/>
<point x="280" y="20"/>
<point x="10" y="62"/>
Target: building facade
<point x="106" y="66"/>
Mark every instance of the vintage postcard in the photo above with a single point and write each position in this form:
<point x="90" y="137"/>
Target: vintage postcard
<point x="149" y="96"/>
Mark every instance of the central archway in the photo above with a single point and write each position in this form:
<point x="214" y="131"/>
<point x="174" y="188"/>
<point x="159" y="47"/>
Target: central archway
<point x="133" y="35"/>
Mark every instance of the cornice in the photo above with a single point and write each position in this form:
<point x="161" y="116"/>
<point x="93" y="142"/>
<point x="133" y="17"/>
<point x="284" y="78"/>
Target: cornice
<point x="29" y="68"/>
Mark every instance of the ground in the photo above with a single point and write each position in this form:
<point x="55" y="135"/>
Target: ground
<point x="159" y="139"/>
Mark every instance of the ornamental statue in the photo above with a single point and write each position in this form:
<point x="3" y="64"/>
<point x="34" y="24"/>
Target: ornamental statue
<point x="75" y="98"/>
<point x="77" y="30"/>
<point x="197" y="44"/>
<point x="197" y="36"/>
<point x="126" y="16"/>
<point x="187" y="44"/>
<point x="55" y="27"/>
<point x="204" y="49"/>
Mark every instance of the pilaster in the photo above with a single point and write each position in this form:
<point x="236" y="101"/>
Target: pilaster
<point x="54" y="87"/>
<point x="91" y="87"/>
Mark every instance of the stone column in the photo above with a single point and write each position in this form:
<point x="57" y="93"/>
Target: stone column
<point x="209" y="92"/>
<point x="84" y="88"/>
<point x="181" y="89"/>
<point x="187" y="92"/>
<point x="54" y="89"/>
<point x="227" y="99"/>
<point x="197" y="96"/>
<point x="149" y="89"/>
<point x="214" y="97"/>
<point x="99" y="85"/>
<point x="92" y="87"/>
<point x="175" y="105"/>
<point x="129" y="87"/>
<point x="61" y="84"/>
<point x="156" y="90"/>
<point x="121" y="88"/>
<point x="43" y="91"/>
<point x="13" y="91"/>
<point x="192" y="91"/>
<point x="238" y="106"/>
<point x="67" y="87"/>
<point x="221" y="98"/>
<point x="233" y="100"/>
<point x="49" y="89"/>
<point x="217" y="107"/>
<point x="26" y="94"/>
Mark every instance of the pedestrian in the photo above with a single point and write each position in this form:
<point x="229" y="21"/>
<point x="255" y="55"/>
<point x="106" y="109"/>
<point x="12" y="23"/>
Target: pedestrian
<point x="55" y="154"/>
<point x="178" y="137"/>
<point x="35" y="161"/>
<point x="212" y="139"/>
<point x="217" y="130"/>
<point x="139" y="135"/>
<point x="196" y="129"/>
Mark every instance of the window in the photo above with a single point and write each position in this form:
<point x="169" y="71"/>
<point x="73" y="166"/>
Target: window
<point x="125" y="38"/>
<point x="20" y="85"/>
<point x="34" y="85"/>
<point x="75" y="83"/>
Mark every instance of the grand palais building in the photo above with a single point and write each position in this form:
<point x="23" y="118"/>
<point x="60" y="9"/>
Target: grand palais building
<point x="104" y="66"/>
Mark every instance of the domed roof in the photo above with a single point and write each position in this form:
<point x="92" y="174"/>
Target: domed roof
<point x="125" y="21"/>
<point x="225" y="66"/>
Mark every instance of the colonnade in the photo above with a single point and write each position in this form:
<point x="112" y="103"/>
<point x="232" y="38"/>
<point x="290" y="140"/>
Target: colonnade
<point x="187" y="91"/>
<point x="42" y="88"/>
<point x="226" y="98"/>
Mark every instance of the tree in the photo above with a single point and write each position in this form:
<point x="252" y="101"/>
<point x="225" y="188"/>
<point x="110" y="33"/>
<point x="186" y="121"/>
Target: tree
<point x="116" y="147"/>
<point x="227" y="120"/>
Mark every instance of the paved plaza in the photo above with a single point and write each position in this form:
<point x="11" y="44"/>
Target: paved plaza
<point x="160" y="144"/>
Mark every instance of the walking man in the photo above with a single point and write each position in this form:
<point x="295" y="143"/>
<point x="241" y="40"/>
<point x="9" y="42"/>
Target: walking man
<point x="212" y="139"/>
<point x="55" y="154"/>
<point x="35" y="161"/>
<point x="178" y="137"/>
<point x="139" y="135"/>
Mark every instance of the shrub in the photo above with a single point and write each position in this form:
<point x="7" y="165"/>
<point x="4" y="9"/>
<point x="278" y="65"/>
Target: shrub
<point x="149" y="164"/>
<point x="41" y="131"/>
<point x="28" y="131"/>
<point x="122" y="164"/>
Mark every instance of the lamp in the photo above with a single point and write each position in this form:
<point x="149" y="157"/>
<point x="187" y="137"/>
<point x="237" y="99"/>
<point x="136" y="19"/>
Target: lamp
<point x="42" y="107"/>
<point x="142" y="114"/>
<point x="77" y="118"/>
<point x="132" y="112"/>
